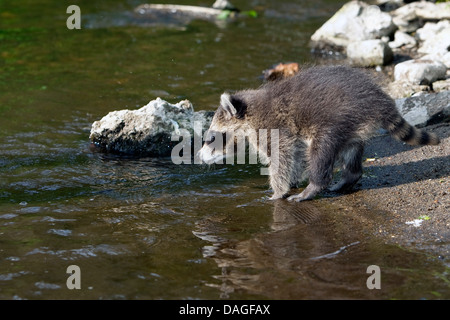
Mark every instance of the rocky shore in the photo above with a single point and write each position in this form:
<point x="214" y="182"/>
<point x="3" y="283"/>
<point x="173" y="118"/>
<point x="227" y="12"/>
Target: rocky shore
<point x="412" y="38"/>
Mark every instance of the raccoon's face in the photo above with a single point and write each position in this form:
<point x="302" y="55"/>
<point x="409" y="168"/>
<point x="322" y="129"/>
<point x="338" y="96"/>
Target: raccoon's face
<point x="228" y="121"/>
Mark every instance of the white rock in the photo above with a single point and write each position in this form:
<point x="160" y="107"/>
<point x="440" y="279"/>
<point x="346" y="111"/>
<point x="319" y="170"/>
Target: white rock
<point x="369" y="53"/>
<point x="419" y="71"/>
<point x="443" y="57"/>
<point x="442" y="85"/>
<point x="223" y="5"/>
<point x="438" y="43"/>
<point x="355" y="21"/>
<point x="148" y="130"/>
<point x="432" y="11"/>
<point x="407" y="17"/>
<point x="430" y="29"/>
<point x="402" y="39"/>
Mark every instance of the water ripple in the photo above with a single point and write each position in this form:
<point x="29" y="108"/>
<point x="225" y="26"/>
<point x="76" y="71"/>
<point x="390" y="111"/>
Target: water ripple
<point x="86" y="252"/>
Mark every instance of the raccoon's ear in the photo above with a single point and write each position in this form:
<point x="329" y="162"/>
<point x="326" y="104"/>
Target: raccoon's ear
<point x="227" y="106"/>
<point x="232" y="106"/>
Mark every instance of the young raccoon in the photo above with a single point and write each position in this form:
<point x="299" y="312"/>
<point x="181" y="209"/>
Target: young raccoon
<point x="324" y="115"/>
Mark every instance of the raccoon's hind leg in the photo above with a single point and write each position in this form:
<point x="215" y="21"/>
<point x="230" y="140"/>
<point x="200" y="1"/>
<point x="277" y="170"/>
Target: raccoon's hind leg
<point x="351" y="158"/>
<point x="321" y="160"/>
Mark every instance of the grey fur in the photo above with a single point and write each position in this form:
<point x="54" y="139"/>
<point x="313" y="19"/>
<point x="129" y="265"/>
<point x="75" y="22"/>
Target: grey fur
<point x="323" y="113"/>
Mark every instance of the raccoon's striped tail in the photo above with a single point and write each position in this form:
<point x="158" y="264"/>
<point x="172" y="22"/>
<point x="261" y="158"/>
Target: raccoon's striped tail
<point x="403" y="131"/>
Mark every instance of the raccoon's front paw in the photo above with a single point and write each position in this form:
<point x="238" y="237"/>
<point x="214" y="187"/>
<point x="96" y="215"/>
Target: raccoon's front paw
<point x="309" y="193"/>
<point x="275" y="197"/>
<point x="278" y="195"/>
<point x="296" y="197"/>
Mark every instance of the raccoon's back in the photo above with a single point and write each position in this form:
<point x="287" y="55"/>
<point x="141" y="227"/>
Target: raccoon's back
<point x="339" y="88"/>
<point x="342" y="100"/>
<point x="329" y="96"/>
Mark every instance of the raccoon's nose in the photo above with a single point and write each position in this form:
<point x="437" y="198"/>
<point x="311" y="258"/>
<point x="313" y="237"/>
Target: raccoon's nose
<point x="210" y="140"/>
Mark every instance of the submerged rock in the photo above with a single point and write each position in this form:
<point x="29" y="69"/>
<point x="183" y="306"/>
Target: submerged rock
<point x="219" y="13"/>
<point x="148" y="130"/>
<point x="191" y="11"/>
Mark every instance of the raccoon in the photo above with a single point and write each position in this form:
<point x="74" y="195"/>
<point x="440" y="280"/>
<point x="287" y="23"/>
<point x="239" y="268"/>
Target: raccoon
<point x="324" y="116"/>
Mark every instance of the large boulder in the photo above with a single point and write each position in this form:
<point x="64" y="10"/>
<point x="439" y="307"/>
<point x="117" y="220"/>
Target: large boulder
<point x="355" y="21"/>
<point x="148" y="130"/>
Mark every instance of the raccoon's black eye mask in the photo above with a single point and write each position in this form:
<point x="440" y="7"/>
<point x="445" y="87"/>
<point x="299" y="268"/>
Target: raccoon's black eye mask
<point x="210" y="140"/>
<point x="211" y="137"/>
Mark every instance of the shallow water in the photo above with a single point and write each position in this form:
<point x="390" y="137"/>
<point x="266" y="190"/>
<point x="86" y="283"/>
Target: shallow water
<point x="146" y="228"/>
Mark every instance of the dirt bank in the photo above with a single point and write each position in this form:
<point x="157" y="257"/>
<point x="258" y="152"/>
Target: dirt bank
<point x="405" y="192"/>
